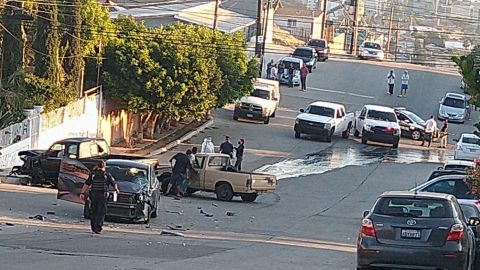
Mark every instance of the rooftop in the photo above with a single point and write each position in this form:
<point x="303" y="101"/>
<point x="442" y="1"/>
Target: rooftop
<point x="154" y="11"/>
<point x="297" y="12"/>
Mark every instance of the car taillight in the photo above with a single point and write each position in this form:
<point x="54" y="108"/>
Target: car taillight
<point x="367" y="228"/>
<point x="455" y="233"/>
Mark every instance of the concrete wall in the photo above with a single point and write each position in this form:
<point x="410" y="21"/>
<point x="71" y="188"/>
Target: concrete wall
<point x="9" y="155"/>
<point x="303" y="28"/>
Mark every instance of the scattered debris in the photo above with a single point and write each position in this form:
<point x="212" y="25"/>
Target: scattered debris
<point x="39" y="217"/>
<point x="147" y="226"/>
<point x="199" y="207"/>
<point x="55" y="204"/>
<point x="205" y="213"/>
<point x="9" y="224"/>
<point x="184" y="244"/>
<point x="214" y="204"/>
<point x="170" y="233"/>
<point x="177" y="228"/>
<point x="50" y="212"/>
<point x="173" y="212"/>
<point x="230" y="214"/>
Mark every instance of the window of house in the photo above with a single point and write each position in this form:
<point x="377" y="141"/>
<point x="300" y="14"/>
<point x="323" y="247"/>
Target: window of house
<point x="292" y="23"/>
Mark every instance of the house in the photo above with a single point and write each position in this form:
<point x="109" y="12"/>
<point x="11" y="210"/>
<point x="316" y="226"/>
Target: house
<point x="301" y="22"/>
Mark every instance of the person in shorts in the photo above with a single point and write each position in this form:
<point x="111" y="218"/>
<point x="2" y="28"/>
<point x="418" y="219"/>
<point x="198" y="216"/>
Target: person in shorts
<point x="404" y="87"/>
<point x="179" y="173"/>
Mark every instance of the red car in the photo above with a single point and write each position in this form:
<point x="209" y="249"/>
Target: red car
<point x="321" y="47"/>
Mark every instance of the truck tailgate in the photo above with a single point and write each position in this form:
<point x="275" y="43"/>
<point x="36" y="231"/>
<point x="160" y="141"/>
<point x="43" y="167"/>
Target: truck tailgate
<point x="263" y="182"/>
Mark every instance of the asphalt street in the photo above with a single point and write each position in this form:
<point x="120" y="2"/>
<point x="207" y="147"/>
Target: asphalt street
<point x="310" y="222"/>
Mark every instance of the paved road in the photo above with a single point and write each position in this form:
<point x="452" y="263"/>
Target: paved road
<point x="311" y="222"/>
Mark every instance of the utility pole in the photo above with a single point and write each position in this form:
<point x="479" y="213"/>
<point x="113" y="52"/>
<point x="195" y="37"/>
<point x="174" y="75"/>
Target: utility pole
<point x="324" y="20"/>
<point x="389" y="30"/>
<point x="353" y="43"/>
<point x="265" y="30"/>
<point x="396" y="39"/>
<point x="215" y="17"/>
<point x="258" y="47"/>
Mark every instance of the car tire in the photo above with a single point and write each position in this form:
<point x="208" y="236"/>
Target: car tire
<point x="165" y="181"/>
<point x="346" y="133"/>
<point x="356" y="133"/>
<point x="249" y="197"/>
<point x="86" y="209"/>
<point x="224" y="191"/>
<point x="298" y="134"/>
<point x="267" y="120"/>
<point x="364" y="138"/>
<point x="416" y="135"/>
<point x="155" y="211"/>
<point x="330" y="135"/>
<point x="395" y="144"/>
<point x="274" y="114"/>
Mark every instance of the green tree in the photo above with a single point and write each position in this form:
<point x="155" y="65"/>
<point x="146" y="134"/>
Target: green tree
<point x="13" y="47"/>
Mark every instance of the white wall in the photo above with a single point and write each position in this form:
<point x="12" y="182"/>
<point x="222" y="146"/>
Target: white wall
<point x="9" y="155"/>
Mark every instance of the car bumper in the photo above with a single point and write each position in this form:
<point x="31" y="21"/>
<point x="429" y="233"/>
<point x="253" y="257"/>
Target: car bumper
<point x="372" y="254"/>
<point x="125" y="211"/>
<point x="254" y="115"/>
<point x="296" y="80"/>
<point x="372" y="56"/>
<point x="470" y="156"/>
<point x="322" y="55"/>
<point x="451" y="118"/>
<point x="311" y="130"/>
<point x="382" y="138"/>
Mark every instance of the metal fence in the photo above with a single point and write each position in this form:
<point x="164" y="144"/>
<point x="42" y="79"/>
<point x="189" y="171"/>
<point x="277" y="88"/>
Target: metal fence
<point x="15" y="133"/>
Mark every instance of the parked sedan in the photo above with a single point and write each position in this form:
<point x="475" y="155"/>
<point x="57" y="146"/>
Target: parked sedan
<point x="410" y="230"/>
<point x="453" y="107"/>
<point x="447" y="184"/>
<point x="468" y="147"/>
<point x="471" y="210"/>
<point x="411" y="124"/>
<point x="371" y="50"/>
<point x="442" y="172"/>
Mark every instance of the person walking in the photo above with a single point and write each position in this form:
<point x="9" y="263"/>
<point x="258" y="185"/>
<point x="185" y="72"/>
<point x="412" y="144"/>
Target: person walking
<point x="430" y="127"/>
<point x="291" y="70"/>
<point x="97" y="185"/>
<point x="269" y="68"/>
<point x="227" y="147"/>
<point x="239" y="154"/>
<point x="179" y="173"/>
<point x="444" y="135"/>
<point x="391" y="82"/>
<point x="303" y="77"/>
<point x="207" y="146"/>
<point x="404" y="87"/>
<point x="274" y="73"/>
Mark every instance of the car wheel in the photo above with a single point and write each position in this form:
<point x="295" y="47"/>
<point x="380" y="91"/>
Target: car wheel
<point x="267" y="120"/>
<point x="364" y="138"/>
<point x="249" y="197"/>
<point x="356" y="133"/>
<point x="274" y="113"/>
<point x="235" y="117"/>
<point x="224" y="191"/>
<point x="297" y="134"/>
<point x="330" y="134"/>
<point x="165" y="181"/>
<point x="395" y="144"/>
<point x="346" y="133"/>
<point x="416" y="135"/>
<point x="86" y="209"/>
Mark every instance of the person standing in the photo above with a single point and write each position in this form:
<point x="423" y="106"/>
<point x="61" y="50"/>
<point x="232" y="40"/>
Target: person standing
<point x="444" y="135"/>
<point x="291" y="70"/>
<point x="274" y="73"/>
<point x="227" y="147"/>
<point x="391" y="82"/>
<point x="179" y="173"/>
<point x="239" y="154"/>
<point x="97" y="184"/>
<point x="303" y="77"/>
<point x="430" y="127"/>
<point x="269" y="68"/>
<point x="207" y="146"/>
<point x="404" y="87"/>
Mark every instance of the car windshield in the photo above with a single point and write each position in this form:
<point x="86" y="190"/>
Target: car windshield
<point x="454" y="102"/>
<point x="415" y="118"/>
<point x="128" y="174"/>
<point x="413" y="207"/>
<point x="286" y="64"/>
<point x="381" y="116"/>
<point x="328" y="112"/>
<point x="260" y="93"/>
<point x="371" y="45"/>
<point x="303" y="53"/>
<point x="454" y="167"/>
<point x="317" y="43"/>
<point x="471" y="140"/>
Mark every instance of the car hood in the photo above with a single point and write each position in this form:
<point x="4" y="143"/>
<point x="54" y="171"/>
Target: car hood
<point x="256" y="101"/>
<point x="129" y="187"/>
<point x="305" y="59"/>
<point x="451" y="110"/>
<point x="378" y="123"/>
<point x="314" y="118"/>
<point x="373" y="50"/>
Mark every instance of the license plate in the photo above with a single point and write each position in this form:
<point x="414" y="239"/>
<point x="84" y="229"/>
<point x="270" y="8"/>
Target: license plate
<point x="413" y="234"/>
<point x="249" y="115"/>
<point x="473" y="150"/>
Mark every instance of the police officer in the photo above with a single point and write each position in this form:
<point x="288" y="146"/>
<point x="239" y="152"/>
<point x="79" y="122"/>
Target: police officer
<point x="98" y="182"/>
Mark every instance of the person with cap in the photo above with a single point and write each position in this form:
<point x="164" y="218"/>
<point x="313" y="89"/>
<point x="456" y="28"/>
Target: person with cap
<point x="239" y="154"/>
<point x="227" y="147"/>
<point x="97" y="184"/>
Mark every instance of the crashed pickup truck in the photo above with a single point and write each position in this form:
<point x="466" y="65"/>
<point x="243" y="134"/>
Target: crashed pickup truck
<point x="214" y="173"/>
<point x="43" y="165"/>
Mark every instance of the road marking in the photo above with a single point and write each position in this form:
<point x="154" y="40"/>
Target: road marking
<point x="340" y="92"/>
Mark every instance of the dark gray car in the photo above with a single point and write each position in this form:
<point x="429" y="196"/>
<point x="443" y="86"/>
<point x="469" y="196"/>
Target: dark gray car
<point x="415" y="231"/>
<point x="449" y="184"/>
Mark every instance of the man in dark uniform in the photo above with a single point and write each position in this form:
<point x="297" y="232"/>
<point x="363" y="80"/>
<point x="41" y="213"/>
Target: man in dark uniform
<point x="98" y="183"/>
<point x="179" y="173"/>
<point x="227" y="147"/>
<point x="239" y="153"/>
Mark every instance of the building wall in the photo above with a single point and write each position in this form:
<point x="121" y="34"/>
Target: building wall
<point x="300" y="27"/>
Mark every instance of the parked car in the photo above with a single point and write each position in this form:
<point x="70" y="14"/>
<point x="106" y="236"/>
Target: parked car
<point x="42" y="166"/>
<point x="471" y="211"/>
<point x="371" y="50"/>
<point x="139" y="195"/>
<point x="283" y="72"/>
<point x="411" y="230"/>
<point x="321" y="47"/>
<point x="324" y="119"/>
<point x="213" y="173"/>
<point x="308" y="55"/>
<point x="468" y="147"/>
<point x="453" y="107"/>
<point x="378" y="124"/>
<point x="261" y="104"/>
<point x="457" y="165"/>
<point x="412" y="125"/>
<point x="438" y="173"/>
<point x="448" y="184"/>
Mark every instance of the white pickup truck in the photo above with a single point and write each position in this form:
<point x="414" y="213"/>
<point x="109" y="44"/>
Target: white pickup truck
<point x="324" y="119"/>
<point x="378" y="124"/>
<point x="261" y="104"/>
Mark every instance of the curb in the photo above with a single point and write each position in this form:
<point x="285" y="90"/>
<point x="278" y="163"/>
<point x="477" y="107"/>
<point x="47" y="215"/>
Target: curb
<point x="182" y="139"/>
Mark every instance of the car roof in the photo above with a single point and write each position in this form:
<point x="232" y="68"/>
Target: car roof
<point x="469" y="202"/>
<point x="305" y="48"/>
<point x="470" y="135"/>
<point x="129" y="163"/>
<point x="437" y="179"/>
<point x="379" y="108"/>
<point x="455" y="95"/>
<point x="459" y="162"/>
<point x="412" y="194"/>
<point x="327" y="104"/>
<point x="291" y="59"/>
<point x="374" y="42"/>
<point x="79" y="139"/>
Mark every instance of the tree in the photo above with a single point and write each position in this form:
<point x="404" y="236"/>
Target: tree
<point x="13" y="47"/>
<point x="12" y="99"/>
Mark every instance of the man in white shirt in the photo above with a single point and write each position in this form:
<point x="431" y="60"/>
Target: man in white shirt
<point x="430" y="128"/>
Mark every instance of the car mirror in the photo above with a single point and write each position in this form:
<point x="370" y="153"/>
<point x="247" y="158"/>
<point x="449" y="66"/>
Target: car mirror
<point x="302" y="110"/>
<point x="474" y="221"/>
<point x="366" y="213"/>
<point x="440" y="168"/>
<point x="275" y="99"/>
<point x="455" y="140"/>
<point x="361" y="117"/>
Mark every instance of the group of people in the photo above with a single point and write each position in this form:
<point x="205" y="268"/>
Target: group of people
<point x="391" y="83"/>
<point x="431" y="127"/>
<point x="272" y="73"/>
<point x="226" y="148"/>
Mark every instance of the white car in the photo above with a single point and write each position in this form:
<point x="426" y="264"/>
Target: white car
<point x="371" y="50"/>
<point x="297" y="63"/>
<point x="261" y="104"/>
<point x="453" y="107"/>
<point x="378" y="124"/>
<point x="324" y="119"/>
<point x="457" y="165"/>
<point x="468" y="147"/>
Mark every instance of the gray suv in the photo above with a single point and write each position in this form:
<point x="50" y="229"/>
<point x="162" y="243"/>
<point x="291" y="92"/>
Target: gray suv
<point x="415" y="231"/>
